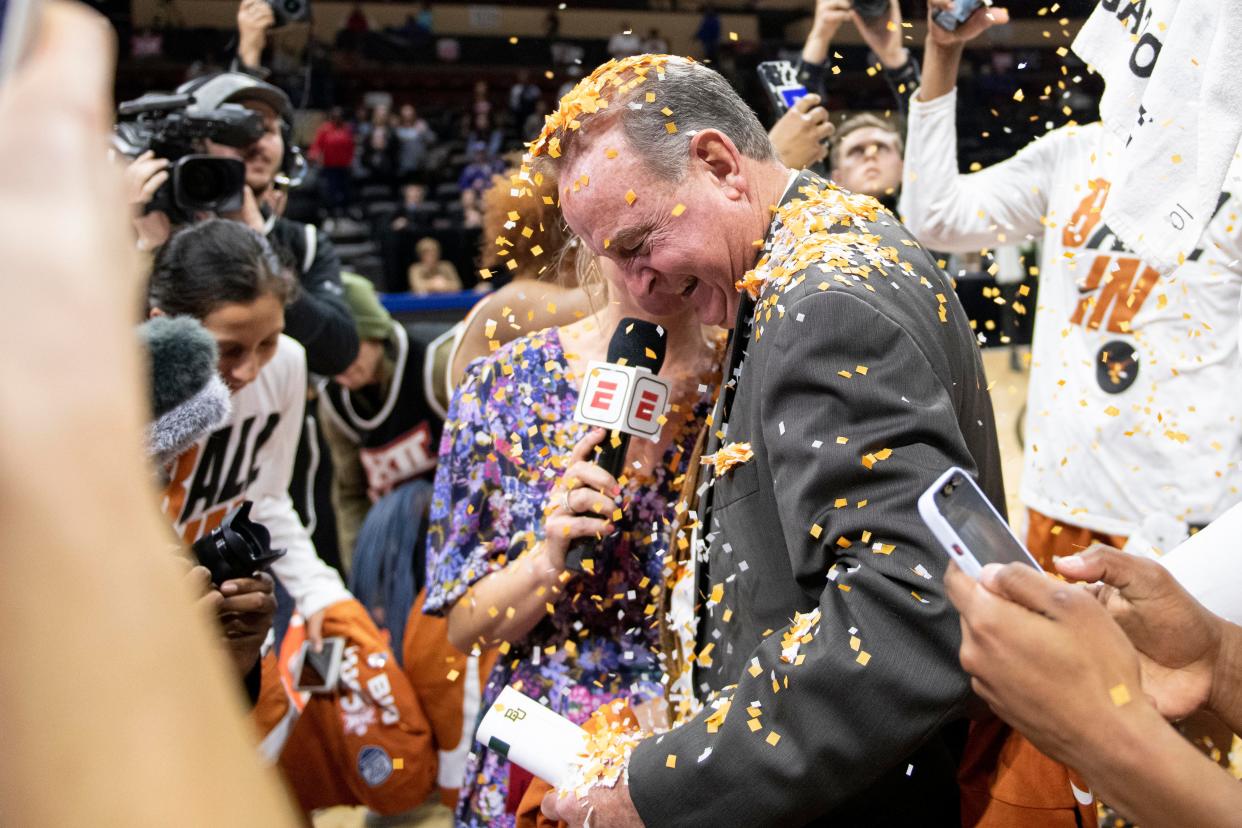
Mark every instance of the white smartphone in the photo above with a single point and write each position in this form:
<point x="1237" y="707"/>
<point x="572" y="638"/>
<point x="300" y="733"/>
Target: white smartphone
<point x="968" y="526"/>
<point x="18" y="20"/>
<point x="320" y="671"/>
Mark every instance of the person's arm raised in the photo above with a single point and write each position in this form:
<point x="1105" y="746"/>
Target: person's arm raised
<point x="118" y="706"/>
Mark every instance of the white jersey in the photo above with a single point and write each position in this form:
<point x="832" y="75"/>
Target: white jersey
<point x="1135" y="400"/>
<point x="251" y="458"/>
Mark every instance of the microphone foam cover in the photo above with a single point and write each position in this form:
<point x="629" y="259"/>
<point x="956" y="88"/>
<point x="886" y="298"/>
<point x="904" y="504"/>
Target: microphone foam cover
<point x="639" y="343"/>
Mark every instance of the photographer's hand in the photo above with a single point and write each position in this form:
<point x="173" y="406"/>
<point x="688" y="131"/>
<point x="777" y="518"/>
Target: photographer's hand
<point x="245" y="614"/>
<point x="800" y="134"/>
<point x="143" y="177"/>
<point x="254" y="18"/>
<point x="883" y="35"/>
<point x="249" y="214"/>
<point x="830" y="15"/>
<point x="943" y="49"/>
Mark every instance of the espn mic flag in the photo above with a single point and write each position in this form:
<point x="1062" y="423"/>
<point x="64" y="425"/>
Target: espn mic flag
<point x="623" y="398"/>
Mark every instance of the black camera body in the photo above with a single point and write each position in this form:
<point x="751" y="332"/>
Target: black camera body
<point x="871" y="9"/>
<point x="290" y="11"/>
<point x="197" y="182"/>
<point x="237" y="548"/>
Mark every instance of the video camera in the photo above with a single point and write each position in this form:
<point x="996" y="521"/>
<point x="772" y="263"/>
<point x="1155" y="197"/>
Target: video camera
<point x="237" y="548"/>
<point x="197" y="182"/>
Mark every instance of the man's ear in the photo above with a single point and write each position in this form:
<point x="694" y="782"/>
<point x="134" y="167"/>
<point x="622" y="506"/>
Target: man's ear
<point x="154" y="312"/>
<point x="712" y="149"/>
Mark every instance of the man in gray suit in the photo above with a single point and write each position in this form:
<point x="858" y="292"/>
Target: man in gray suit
<point x="852" y="381"/>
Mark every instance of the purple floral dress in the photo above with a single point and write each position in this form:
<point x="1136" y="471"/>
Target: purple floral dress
<point x="508" y="436"/>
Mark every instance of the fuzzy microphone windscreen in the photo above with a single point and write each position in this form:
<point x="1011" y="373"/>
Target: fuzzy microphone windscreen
<point x="182" y="356"/>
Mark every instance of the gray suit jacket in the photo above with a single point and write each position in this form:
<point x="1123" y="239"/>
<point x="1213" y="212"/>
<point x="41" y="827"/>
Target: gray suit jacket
<point x="832" y="373"/>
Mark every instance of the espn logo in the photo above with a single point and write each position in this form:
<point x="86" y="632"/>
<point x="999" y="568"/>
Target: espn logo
<point x="622" y="398"/>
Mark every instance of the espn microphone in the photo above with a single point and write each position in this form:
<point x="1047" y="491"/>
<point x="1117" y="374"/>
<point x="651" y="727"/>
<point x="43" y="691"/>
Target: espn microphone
<point x="625" y="396"/>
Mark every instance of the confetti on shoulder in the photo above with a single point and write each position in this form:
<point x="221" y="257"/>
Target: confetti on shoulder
<point x="733" y="454"/>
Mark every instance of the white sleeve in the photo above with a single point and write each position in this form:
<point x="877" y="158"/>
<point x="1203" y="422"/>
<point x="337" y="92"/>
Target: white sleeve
<point x="313" y="584"/>
<point x="957" y="213"/>
<point x="1206" y="565"/>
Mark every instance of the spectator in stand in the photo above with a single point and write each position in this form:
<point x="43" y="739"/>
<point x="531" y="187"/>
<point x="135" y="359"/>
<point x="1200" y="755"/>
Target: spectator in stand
<point x="534" y="121"/>
<point x="378" y="147"/>
<point x="478" y="173"/>
<point x="353" y="34"/>
<point x="431" y="274"/>
<point x="414" y="213"/>
<point x="708" y="33"/>
<point x="414" y="140"/>
<point x="523" y="96"/>
<point x="471" y="212"/>
<point x="482" y="102"/>
<point x="333" y="149"/>
<point x="625" y="43"/>
<point x="654" y="43"/>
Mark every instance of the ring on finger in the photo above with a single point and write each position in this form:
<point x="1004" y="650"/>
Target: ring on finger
<point x="565" y="500"/>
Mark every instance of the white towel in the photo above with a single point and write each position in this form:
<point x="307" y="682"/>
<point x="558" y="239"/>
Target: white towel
<point x="1172" y="97"/>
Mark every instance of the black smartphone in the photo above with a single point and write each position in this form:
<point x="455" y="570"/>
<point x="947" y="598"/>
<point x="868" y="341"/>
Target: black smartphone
<point x="780" y="81"/>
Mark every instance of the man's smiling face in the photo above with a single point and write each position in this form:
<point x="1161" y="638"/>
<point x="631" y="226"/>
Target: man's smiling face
<point x="672" y="242"/>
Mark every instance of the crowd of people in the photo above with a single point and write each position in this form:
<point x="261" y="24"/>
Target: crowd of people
<point x="348" y="533"/>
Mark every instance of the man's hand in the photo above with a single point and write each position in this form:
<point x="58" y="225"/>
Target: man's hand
<point x="883" y="35"/>
<point x="800" y="135"/>
<point x="605" y="807"/>
<point x="143" y="177"/>
<point x="829" y="17"/>
<point x="205" y="595"/>
<point x="1178" y="640"/>
<point x="1046" y="656"/>
<point x="245" y="614"/>
<point x="254" y="18"/>
<point x="249" y="214"/>
<point x="983" y="19"/>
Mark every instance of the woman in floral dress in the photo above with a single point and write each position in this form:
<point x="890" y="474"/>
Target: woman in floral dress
<point x="515" y="487"/>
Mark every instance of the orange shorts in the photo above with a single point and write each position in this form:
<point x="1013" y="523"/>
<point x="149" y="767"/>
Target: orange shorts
<point x="1048" y="538"/>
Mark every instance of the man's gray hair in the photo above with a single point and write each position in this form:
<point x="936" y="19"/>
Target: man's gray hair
<point x="695" y="97"/>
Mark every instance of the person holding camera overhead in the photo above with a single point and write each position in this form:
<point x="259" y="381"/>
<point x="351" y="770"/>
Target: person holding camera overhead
<point x="335" y="747"/>
<point x="319" y="318"/>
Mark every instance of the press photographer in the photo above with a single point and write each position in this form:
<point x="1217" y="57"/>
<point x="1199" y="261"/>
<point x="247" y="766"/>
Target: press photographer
<point x="168" y="143"/>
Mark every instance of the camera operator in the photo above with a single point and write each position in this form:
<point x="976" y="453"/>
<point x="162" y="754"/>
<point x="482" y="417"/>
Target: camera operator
<point x="318" y="319"/>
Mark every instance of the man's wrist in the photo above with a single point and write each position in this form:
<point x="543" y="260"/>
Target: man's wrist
<point x="1118" y="747"/>
<point x="894" y="60"/>
<point x="1225" y="698"/>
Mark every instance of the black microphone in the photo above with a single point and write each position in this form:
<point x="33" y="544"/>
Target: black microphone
<point x="636" y="343"/>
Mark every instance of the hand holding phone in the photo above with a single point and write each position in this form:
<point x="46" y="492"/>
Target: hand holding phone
<point x="968" y="526"/>
<point x="959" y="14"/>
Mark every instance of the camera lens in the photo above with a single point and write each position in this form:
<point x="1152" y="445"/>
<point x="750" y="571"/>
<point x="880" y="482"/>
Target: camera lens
<point x="206" y="183"/>
<point x="202" y="183"/>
